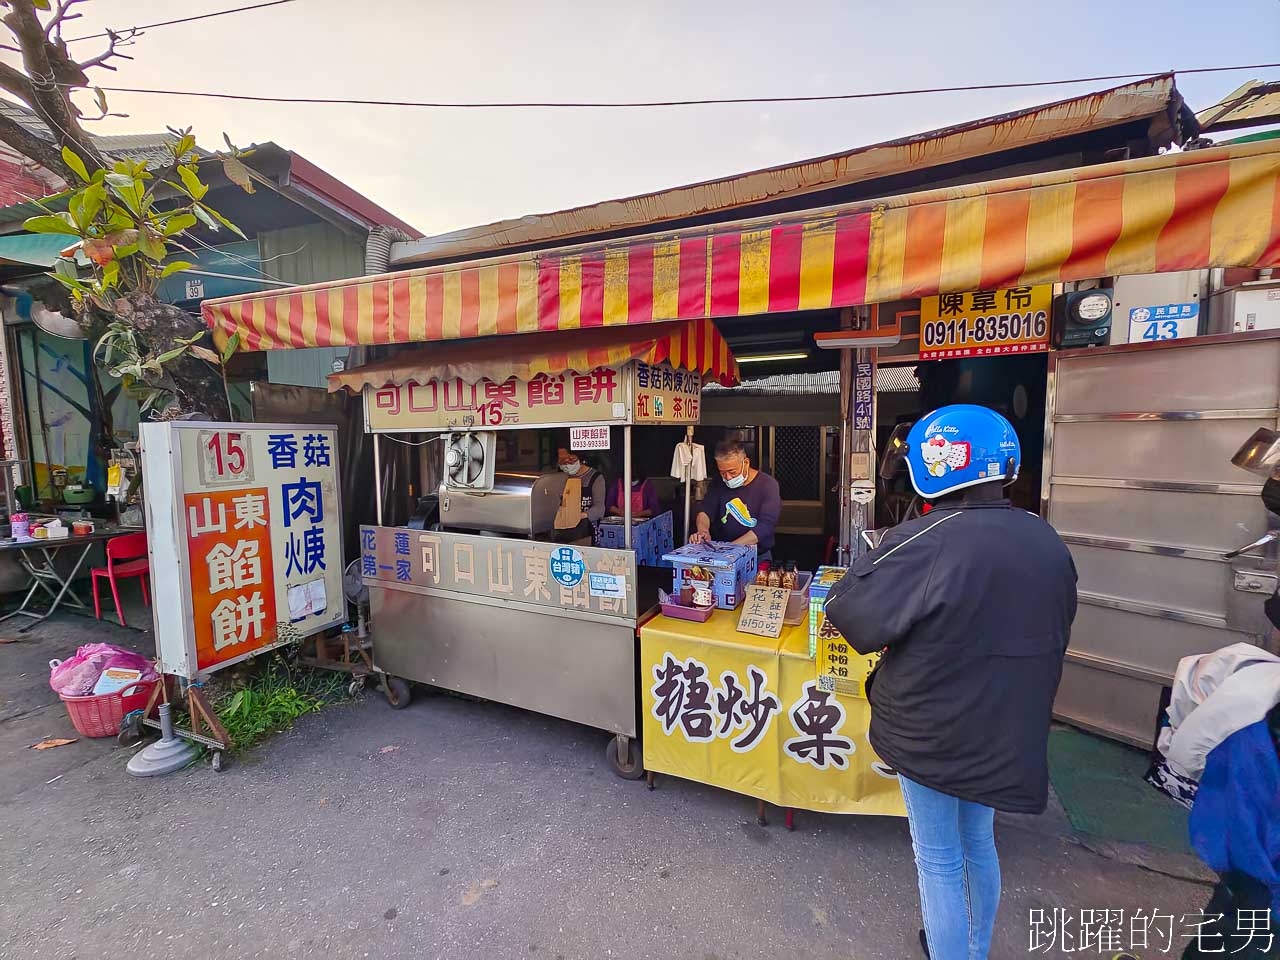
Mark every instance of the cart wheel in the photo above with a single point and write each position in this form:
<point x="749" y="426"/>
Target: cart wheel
<point x="634" y="769"/>
<point x="218" y="762"/>
<point x="130" y="729"/>
<point x="397" y="691"/>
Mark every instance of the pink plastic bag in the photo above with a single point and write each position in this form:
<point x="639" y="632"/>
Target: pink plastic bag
<point x="76" y="676"/>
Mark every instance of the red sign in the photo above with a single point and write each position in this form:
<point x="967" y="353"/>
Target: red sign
<point x="232" y="587"/>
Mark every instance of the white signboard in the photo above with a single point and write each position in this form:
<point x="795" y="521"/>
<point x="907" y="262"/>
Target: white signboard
<point x="1172" y="321"/>
<point x="244" y="527"/>
<point x="588" y="438"/>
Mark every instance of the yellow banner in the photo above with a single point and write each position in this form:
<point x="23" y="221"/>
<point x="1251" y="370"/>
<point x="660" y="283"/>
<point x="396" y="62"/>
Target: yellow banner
<point x="749" y="714"/>
<point x="841" y="669"/>
<point x="985" y="323"/>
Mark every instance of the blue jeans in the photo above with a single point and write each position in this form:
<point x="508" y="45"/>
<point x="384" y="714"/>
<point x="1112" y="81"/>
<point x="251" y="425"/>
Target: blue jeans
<point x="959" y="873"/>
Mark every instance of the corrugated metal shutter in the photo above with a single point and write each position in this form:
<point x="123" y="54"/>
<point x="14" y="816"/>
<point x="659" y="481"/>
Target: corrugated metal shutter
<point x="308" y="254"/>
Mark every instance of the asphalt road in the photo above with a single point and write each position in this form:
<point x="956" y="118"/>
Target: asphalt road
<point x="457" y="829"/>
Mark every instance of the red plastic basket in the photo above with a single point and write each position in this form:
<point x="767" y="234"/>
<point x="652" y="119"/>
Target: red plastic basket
<point x="100" y="715"/>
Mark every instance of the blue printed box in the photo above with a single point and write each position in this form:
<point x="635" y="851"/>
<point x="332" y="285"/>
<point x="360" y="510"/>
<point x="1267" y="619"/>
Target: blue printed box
<point x="650" y="538"/>
<point x="732" y="567"/>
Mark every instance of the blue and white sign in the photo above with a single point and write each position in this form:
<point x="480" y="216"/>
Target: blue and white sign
<point x="567" y="566"/>
<point x="609" y="585"/>
<point x="863" y="387"/>
<point x="1173" y="321"/>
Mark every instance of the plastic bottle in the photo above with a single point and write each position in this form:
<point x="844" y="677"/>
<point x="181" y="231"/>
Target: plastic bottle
<point x="790" y="578"/>
<point x="762" y="575"/>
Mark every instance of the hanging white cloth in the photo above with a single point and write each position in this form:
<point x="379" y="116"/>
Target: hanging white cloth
<point x="689" y="462"/>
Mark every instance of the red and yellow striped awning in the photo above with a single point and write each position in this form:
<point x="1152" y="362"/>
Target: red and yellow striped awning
<point x="1217" y="207"/>
<point x="691" y="345"/>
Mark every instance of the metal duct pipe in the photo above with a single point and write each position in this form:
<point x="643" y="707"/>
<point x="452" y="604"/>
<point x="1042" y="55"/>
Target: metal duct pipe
<point x="377" y="249"/>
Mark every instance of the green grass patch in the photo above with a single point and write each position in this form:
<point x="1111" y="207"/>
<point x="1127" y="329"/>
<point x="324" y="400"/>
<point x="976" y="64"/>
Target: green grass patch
<point x="271" y="696"/>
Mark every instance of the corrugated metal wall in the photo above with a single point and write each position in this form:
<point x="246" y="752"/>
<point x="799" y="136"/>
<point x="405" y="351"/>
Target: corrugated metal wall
<point x="308" y="254"/>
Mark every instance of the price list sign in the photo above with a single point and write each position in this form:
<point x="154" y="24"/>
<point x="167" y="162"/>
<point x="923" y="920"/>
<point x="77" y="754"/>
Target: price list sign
<point x="244" y="531"/>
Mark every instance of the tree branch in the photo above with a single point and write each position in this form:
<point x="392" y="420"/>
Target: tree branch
<point x="16" y="82"/>
<point x="43" y="152"/>
<point x="114" y="40"/>
<point x="50" y="72"/>
<point x="60" y="16"/>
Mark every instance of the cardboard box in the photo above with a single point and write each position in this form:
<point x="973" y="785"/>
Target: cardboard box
<point x="732" y="568"/>
<point x="650" y="538"/>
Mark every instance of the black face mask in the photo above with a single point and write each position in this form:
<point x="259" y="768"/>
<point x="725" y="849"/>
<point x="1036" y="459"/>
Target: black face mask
<point x="1272" y="608"/>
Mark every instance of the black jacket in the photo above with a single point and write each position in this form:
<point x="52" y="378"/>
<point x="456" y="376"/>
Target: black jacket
<point x="974" y="604"/>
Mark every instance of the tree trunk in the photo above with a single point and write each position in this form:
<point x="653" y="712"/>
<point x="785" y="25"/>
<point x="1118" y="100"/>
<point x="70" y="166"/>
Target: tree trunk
<point x="196" y="386"/>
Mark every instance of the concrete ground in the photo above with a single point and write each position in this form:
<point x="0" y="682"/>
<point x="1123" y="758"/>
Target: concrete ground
<point x="457" y="829"/>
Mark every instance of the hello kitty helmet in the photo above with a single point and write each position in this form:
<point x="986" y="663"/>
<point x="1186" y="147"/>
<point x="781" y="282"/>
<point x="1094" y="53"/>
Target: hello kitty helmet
<point x="960" y="446"/>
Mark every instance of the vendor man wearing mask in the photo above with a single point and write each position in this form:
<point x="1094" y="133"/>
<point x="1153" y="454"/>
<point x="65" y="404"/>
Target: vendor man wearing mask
<point x="744" y="507"/>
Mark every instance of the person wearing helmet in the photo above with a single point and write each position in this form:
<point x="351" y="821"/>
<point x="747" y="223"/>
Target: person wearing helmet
<point x="972" y="605"/>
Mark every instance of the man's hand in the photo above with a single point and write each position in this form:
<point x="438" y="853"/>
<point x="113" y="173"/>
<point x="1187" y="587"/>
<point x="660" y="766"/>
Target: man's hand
<point x="700" y="536"/>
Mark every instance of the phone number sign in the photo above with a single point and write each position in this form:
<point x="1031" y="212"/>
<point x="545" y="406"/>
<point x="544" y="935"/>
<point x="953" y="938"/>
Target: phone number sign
<point x="985" y="323"/>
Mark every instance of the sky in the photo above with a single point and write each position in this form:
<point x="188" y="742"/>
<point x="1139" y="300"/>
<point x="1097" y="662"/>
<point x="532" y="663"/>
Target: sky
<point x="445" y="169"/>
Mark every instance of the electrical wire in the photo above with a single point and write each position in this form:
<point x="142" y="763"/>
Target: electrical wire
<point x="410" y="443"/>
<point x="170" y="23"/>
<point x="632" y="104"/>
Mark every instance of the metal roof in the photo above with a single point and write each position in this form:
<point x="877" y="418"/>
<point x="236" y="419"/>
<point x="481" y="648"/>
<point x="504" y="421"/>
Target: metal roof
<point x="1156" y="99"/>
<point x="151" y="147"/>
<point x="1252" y="104"/>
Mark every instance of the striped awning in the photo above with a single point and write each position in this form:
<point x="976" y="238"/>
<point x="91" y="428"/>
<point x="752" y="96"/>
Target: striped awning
<point x="691" y="345"/>
<point x="1217" y="207"/>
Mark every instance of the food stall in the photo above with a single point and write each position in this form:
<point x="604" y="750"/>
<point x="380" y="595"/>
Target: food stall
<point x="773" y="710"/>
<point x="474" y="596"/>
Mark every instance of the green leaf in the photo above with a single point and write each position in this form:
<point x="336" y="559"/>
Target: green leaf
<point x="53" y="224"/>
<point x="191" y="180"/>
<point x="119" y="219"/>
<point x="75" y="207"/>
<point x="92" y="199"/>
<point x="110" y="274"/>
<point x="221" y="219"/>
<point x="237" y="173"/>
<point x="72" y="160"/>
<point x="233" y="344"/>
<point x="171" y="268"/>
<point x="129" y="189"/>
<point x="203" y="216"/>
<point x="152" y="245"/>
<point x="170" y="355"/>
<point x="204" y="353"/>
<point x="179" y="222"/>
<point x="66" y="267"/>
<point x="150" y="400"/>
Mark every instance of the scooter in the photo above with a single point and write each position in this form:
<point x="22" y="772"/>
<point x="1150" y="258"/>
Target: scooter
<point x="1237" y="895"/>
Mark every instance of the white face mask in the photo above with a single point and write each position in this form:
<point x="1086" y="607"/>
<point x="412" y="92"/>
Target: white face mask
<point x="733" y="483"/>
<point x="572" y="467"/>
